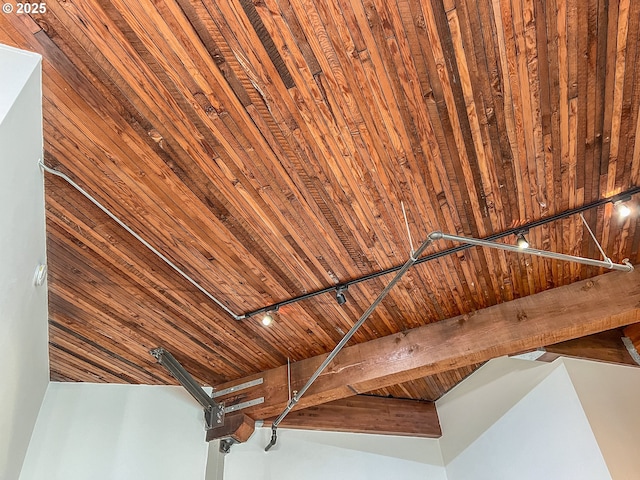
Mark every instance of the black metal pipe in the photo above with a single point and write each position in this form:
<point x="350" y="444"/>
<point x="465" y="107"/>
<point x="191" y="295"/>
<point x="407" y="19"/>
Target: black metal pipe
<point x="444" y="253"/>
<point x="274" y="438"/>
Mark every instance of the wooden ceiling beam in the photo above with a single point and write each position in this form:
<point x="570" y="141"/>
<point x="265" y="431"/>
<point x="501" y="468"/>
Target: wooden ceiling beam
<point x="368" y="414"/>
<point x="600" y="347"/>
<point x="237" y="427"/>
<point x="583" y="308"/>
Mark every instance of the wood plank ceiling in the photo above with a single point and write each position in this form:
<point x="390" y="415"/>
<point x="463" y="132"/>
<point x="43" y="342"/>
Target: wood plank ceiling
<point x="266" y="148"/>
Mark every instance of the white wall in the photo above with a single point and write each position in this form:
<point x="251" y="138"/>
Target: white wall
<point x="16" y="66"/>
<point x="474" y="405"/>
<point x="24" y="368"/>
<point x="610" y="397"/>
<point x="117" y="432"/>
<point x="323" y="455"/>
<point x="511" y="419"/>
<point x="544" y="436"/>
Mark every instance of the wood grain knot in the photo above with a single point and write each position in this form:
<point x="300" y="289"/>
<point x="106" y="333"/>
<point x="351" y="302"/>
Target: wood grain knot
<point x="588" y="286"/>
<point x="46" y="28"/>
<point x="521" y="316"/>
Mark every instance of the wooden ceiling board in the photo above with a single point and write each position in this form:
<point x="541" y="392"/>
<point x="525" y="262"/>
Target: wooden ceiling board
<point x="429" y="388"/>
<point x="267" y="148"/>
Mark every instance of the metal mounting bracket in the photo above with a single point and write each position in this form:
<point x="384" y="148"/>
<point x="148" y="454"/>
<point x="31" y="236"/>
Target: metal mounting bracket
<point x="213" y="411"/>
<point x="226" y="444"/>
<point x="237" y="388"/>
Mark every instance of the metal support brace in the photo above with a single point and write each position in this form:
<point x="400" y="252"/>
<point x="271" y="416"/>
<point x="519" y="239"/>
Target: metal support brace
<point x="631" y="348"/>
<point x="213" y="411"/>
<point x="432" y="237"/>
<point x="296" y="398"/>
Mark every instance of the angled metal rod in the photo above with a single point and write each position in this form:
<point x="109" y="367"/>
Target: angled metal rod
<point x="631" y="348"/>
<point x="625" y="267"/>
<point x="296" y="398"/>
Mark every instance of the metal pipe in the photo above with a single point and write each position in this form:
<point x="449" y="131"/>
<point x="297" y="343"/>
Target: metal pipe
<point x="626" y="267"/>
<point x="631" y="348"/>
<point x="296" y="398"/>
<point x="140" y="239"/>
<point x="274" y="438"/>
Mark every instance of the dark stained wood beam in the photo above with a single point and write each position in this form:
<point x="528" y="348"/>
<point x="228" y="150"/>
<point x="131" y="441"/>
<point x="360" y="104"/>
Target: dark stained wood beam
<point x="238" y="427"/>
<point x="582" y="308"/>
<point x="602" y="347"/>
<point x="368" y="414"/>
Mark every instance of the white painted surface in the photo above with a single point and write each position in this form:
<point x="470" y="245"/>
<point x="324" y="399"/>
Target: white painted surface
<point x="323" y="455"/>
<point x="544" y="436"/>
<point x="124" y="432"/>
<point x="24" y="367"/>
<point x="483" y="398"/>
<point x="16" y="67"/>
<point x="610" y="397"/>
<point x="215" y="462"/>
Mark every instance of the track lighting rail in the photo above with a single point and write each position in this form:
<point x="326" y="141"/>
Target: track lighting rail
<point x="340" y="288"/>
<point x="624" y="196"/>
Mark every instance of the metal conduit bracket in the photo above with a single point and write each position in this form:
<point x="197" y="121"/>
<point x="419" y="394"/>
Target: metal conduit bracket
<point x="213" y="411"/>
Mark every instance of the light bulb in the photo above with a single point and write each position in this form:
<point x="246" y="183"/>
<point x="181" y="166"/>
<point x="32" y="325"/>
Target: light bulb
<point x="267" y="320"/>
<point x="623" y="210"/>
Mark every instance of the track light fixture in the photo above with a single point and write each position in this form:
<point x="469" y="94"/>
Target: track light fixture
<point x="622" y="208"/>
<point x="267" y="318"/>
<point x="521" y="240"/>
<point x="340" y="296"/>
